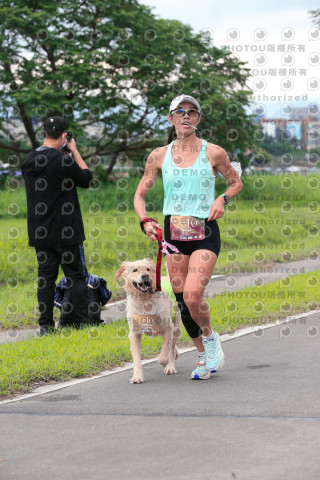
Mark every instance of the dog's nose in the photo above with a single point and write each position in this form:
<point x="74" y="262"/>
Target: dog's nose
<point x="144" y="276"/>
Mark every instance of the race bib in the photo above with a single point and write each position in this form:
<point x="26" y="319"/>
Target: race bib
<point x="148" y="324"/>
<point x="187" y="228"/>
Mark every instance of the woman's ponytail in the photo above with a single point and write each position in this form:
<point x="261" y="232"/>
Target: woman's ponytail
<point x="172" y="134"/>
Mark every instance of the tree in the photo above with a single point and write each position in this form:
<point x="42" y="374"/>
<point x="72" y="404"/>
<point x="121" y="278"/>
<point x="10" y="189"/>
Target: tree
<point x="112" y="69"/>
<point x="315" y="14"/>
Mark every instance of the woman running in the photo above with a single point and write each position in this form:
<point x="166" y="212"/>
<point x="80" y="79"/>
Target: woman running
<point x="188" y="166"/>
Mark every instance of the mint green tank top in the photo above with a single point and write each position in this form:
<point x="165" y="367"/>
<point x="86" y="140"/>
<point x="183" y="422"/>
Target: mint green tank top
<point x="188" y="191"/>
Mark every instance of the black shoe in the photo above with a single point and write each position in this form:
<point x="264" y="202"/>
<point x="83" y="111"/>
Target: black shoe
<point x="46" y="330"/>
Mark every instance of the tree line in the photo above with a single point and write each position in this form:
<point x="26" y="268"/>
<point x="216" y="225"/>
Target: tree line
<point x="112" y="69"/>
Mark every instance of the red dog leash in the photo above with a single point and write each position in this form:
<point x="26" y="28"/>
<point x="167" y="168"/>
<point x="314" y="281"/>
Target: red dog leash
<point x="160" y="248"/>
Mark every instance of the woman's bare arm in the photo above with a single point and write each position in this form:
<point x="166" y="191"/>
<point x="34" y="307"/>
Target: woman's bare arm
<point x="221" y="163"/>
<point x="151" y="173"/>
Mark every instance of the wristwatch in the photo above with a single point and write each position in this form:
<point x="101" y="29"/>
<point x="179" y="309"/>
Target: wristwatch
<point x="226" y="198"/>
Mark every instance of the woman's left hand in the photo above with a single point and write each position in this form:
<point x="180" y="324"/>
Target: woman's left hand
<point x="150" y="229"/>
<point x="217" y="209"/>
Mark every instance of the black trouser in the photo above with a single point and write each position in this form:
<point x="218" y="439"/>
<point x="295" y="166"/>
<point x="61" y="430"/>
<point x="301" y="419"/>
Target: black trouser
<point x="71" y="259"/>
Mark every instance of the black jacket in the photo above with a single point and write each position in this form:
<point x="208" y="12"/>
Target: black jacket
<point x="54" y="215"/>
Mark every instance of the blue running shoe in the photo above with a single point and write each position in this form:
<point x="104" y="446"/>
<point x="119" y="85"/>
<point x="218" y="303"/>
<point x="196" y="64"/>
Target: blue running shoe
<point x="201" y="372"/>
<point x="214" y="355"/>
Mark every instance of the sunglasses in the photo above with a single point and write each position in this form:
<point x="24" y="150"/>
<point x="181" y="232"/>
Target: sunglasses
<point x="180" y="112"/>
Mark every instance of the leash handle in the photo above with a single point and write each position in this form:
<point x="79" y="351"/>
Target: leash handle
<point x="159" y="257"/>
<point x="145" y="220"/>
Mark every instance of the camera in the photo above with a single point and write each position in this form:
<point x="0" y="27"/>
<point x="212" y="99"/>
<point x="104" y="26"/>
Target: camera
<point x="64" y="148"/>
<point x="69" y="136"/>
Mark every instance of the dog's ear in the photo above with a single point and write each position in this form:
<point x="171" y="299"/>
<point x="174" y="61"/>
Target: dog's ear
<point x="120" y="271"/>
<point x="149" y="262"/>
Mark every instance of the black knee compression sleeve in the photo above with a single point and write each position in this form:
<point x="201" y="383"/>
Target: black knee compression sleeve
<point x="191" y="326"/>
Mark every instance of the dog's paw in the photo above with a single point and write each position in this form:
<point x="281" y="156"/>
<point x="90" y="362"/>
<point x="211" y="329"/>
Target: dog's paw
<point x="170" y="370"/>
<point x="136" y="379"/>
<point x="177" y="354"/>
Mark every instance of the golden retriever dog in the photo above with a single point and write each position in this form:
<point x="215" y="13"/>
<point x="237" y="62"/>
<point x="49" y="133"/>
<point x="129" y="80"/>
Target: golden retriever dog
<point x="149" y="312"/>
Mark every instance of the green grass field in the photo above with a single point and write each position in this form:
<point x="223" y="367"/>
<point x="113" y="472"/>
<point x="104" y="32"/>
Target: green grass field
<point x="71" y="354"/>
<point x="274" y="219"/>
<point x="106" y="247"/>
<point x="271" y="190"/>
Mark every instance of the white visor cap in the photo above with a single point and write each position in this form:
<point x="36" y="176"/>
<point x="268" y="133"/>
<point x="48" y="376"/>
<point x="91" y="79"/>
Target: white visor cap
<point x="183" y="98"/>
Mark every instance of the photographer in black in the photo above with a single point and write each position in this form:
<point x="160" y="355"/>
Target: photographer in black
<point x="51" y="173"/>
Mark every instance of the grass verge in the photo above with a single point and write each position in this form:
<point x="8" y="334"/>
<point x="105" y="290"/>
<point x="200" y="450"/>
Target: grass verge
<point x="250" y="242"/>
<point x="73" y="354"/>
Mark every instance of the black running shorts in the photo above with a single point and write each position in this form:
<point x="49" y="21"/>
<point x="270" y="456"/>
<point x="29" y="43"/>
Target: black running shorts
<point x="211" y="242"/>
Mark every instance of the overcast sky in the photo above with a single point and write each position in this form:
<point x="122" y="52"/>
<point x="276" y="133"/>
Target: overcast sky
<point x="288" y="62"/>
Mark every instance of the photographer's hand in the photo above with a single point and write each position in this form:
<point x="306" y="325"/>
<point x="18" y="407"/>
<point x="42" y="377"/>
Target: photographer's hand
<point x="72" y="145"/>
<point x="76" y="155"/>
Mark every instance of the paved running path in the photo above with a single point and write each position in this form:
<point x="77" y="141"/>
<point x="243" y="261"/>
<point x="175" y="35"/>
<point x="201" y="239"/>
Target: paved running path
<point x="258" y="418"/>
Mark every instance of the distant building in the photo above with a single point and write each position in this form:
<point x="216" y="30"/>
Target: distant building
<point x="299" y="113"/>
<point x="274" y="126"/>
<point x="306" y="130"/>
<point x="313" y="134"/>
<point x="304" y="133"/>
<point x="294" y="129"/>
<point x="311" y="111"/>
